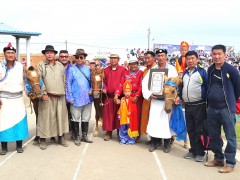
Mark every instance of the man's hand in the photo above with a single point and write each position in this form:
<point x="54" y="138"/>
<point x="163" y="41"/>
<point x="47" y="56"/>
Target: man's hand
<point x="153" y="97"/>
<point x="90" y="92"/>
<point x="45" y="97"/>
<point x="71" y="102"/>
<point x="177" y="100"/>
<point x="115" y="99"/>
<point x="0" y="104"/>
<point x="104" y="91"/>
<point x="135" y="100"/>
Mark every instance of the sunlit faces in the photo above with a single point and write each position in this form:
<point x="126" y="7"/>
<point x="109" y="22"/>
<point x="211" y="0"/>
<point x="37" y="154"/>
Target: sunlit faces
<point x="127" y="93"/>
<point x="161" y="58"/>
<point x="133" y="66"/>
<point x="10" y="55"/>
<point x="218" y="56"/>
<point x="80" y="59"/>
<point x="50" y="55"/>
<point x="184" y="50"/>
<point x="191" y="61"/>
<point x="149" y="60"/>
<point x="64" y="58"/>
<point x="114" y="61"/>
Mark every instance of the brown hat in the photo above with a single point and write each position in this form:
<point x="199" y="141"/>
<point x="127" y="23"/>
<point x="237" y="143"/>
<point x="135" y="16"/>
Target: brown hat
<point x="80" y="52"/>
<point x="114" y="56"/>
<point x="49" y="48"/>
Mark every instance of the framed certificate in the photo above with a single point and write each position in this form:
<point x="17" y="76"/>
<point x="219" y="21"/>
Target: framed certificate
<point x="156" y="81"/>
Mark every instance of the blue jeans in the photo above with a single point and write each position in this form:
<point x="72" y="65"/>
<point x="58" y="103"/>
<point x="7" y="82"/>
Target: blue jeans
<point x="216" y="119"/>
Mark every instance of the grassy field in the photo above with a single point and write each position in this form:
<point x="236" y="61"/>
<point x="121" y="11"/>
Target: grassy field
<point x="237" y="127"/>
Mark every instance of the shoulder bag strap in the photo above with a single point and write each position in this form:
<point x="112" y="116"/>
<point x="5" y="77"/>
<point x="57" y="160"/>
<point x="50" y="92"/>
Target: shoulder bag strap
<point x="84" y="76"/>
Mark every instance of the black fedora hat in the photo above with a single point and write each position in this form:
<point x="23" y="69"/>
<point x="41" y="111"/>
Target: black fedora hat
<point x="49" y="48"/>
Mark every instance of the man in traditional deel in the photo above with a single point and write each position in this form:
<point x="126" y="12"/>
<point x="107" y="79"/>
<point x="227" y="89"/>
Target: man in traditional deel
<point x="13" y="116"/>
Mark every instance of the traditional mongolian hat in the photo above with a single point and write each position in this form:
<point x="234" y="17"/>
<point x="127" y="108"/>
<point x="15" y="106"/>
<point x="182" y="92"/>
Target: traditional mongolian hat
<point x="9" y="47"/>
<point x="114" y="56"/>
<point x="184" y="44"/>
<point x="161" y="51"/>
<point x="80" y="52"/>
<point x="127" y="85"/>
<point x="49" y="48"/>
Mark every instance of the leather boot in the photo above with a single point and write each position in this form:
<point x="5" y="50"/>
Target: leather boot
<point x="42" y="144"/>
<point x="153" y="144"/>
<point x="19" y="146"/>
<point x="4" y="148"/>
<point x="77" y="141"/>
<point x="71" y="128"/>
<point x="76" y="136"/>
<point x="107" y="136"/>
<point x="75" y="130"/>
<point x="84" y="127"/>
<point x="62" y="141"/>
<point x="36" y="139"/>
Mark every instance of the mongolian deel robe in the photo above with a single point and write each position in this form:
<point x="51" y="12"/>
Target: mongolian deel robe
<point x="145" y="107"/>
<point x="158" y="124"/>
<point x="111" y="81"/>
<point x="135" y="79"/>
<point x="128" y="115"/>
<point x="52" y="114"/>
<point x="13" y="116"/>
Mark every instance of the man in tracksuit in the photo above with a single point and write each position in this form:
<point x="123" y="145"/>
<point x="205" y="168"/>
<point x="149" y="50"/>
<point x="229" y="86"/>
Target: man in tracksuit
<point x="194" y="95"/>
<point x="223" y="92"/>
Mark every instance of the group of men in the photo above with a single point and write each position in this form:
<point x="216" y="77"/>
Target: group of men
<point x="209" y="97"/>
<point x="60" y="81"/>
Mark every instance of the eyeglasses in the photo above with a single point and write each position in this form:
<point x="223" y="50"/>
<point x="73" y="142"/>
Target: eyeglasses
<point x="79" y="57"/>
<point x="63" y="56"/>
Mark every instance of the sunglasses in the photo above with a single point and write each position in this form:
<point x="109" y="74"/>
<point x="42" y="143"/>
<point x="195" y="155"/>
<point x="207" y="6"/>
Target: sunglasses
<point x="63" y="56"/>
<point x="79" y="57"/>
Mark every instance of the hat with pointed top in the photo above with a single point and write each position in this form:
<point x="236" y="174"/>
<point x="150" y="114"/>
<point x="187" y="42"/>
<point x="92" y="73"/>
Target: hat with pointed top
<point x="9" y="47"/>
<point x="184" y="44"/>
<point x="127" y="85"/>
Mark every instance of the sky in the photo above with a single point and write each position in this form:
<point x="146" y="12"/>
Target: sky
<point x="116" y="25"/>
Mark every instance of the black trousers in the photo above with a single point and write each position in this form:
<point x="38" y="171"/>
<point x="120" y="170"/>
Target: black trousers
<point x="159" y="140"/>
<point x="196" y="118"/>
<point x="18" y="144"/>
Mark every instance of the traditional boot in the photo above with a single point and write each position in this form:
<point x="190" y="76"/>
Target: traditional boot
<point x="75" y="131"/>
<point x="19" y="146"/>
<point x="42" y="144"/>
<point x="62" y="141"/>
<point x="107" y="136"/>
<point x="36" y="139"/>
<point x="153" y="144"/>
<point x="72" y="129"/>
<point x="4" y="148"/>
<point x="84" y="127"/>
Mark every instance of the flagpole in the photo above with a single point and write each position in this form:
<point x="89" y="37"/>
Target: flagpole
<point x="148" y="38"/>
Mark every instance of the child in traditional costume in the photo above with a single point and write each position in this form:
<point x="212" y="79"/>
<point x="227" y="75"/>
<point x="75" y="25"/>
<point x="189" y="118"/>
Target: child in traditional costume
<point x="128" y="116"/>
<point x="181" y="62"/>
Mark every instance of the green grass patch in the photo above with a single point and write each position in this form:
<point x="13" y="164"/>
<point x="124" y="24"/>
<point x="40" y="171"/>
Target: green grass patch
<point x="237" y="128"/>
